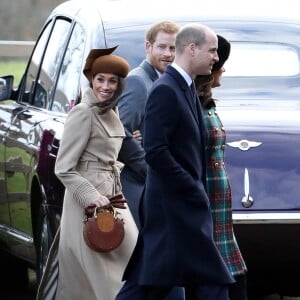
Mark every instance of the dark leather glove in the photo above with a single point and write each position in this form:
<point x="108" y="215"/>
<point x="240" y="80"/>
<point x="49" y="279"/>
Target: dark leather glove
<point x="118" y="201"/>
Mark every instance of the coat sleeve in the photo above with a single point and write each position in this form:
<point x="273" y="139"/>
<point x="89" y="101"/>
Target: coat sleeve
<point x="132" y="154"/>
<point x="132" y="103"/>
<point x="75" y="137"/>
<point x="131" y="109"/>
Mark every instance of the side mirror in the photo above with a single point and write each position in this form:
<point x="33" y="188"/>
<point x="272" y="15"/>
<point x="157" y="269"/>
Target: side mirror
<point x="6" y="87"/>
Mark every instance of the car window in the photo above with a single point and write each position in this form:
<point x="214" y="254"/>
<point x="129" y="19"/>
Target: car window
<point x="67" y="91"/>
<point x="263" y="59"/>
<point x="33" y="67"/>
<point x="259" y="59"/>
<point x="43" y="68"/>
<point x="125" y="38"/>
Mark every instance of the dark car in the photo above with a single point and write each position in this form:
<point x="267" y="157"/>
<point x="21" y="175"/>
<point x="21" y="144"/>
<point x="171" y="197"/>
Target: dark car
<point x="259" y="106"/>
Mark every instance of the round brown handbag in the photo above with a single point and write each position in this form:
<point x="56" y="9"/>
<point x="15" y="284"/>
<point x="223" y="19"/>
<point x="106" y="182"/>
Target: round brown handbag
<point x="103" y="231"/>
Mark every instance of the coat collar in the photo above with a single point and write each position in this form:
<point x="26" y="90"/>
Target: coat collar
<point x="110" y="120"/>
<point x="89" y="97"/>
<point x="149" y="69"/>
<point x="186" y="90"/>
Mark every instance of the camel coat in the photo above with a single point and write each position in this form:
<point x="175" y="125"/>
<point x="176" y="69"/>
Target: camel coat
<point x="87" y="165"/>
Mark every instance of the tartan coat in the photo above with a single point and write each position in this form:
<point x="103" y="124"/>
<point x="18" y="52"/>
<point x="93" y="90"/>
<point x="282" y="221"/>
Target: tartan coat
<point x="219" y="193"/>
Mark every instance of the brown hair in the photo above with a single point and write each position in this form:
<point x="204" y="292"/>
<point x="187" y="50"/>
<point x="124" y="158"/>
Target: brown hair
<point x="203" y="85"/>
<point x="165" y="26"/>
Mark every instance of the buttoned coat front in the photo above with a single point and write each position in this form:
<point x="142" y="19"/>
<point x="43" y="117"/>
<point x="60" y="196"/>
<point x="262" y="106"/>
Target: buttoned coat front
<point x="88" y="167"/>
<point x="175" y="245"/>
<point x="219" y="193"/>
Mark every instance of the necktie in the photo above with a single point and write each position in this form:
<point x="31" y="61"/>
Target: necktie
<point x="193" y="90"/>
<point x="194" y="93"/>
<point x="195" y="99"/>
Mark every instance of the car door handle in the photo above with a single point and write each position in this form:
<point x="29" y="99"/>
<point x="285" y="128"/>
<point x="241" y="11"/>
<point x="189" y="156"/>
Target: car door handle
<point x="14" y="129"/>
<point x="24" y="115"/>
<point x="247" y="200"/>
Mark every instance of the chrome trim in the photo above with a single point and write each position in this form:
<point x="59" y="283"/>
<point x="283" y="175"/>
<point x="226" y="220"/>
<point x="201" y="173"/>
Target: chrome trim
<point x="266" y="218"/>
<point x="244" y="145"/>
<point x="247" y="200"/>
<point x="17" y="234"/>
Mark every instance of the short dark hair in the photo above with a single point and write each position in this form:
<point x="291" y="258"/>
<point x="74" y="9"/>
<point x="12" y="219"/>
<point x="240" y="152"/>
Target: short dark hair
<point x="189" y="34"/>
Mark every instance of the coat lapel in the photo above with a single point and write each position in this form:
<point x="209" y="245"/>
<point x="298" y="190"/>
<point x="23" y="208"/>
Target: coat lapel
<point x="197" y="110"/>
<point x="149" y="70"/>
<point x="186" y="90"/>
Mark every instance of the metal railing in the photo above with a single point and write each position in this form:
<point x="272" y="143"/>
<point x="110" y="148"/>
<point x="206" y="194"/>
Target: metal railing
<point x="16" y="49"/>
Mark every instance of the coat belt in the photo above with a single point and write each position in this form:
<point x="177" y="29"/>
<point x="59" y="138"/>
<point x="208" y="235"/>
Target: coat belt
<point x="115" y="168"/>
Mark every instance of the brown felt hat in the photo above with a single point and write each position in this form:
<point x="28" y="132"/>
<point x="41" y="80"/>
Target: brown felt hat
<point x="102" y="61"/>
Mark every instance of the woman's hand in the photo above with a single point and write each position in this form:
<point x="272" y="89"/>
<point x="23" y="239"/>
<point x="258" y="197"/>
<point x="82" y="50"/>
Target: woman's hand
<point x="102" y="201"/>
<point x="117" y="201"/>
<point x="137" y="135"/>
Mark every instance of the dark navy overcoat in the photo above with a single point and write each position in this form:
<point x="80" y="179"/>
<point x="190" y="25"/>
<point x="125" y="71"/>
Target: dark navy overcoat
<point x="175" y="245"/>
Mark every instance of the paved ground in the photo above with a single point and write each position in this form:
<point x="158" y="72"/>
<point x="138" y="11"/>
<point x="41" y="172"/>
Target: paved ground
<point x="30" y="292"/>
<point x="277" y="297"/>
<point x="9" y="293"/>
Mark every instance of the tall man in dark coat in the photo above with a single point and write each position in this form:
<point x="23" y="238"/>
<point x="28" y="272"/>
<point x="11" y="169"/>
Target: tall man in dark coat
<point x="175" y="246"/>
<point x="160" y="52"/>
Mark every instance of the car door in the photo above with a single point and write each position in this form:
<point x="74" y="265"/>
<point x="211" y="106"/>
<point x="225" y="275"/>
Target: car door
<point x="4" y="125"/>
<point x="27" y="114"/>
<point x="262" y="120"/>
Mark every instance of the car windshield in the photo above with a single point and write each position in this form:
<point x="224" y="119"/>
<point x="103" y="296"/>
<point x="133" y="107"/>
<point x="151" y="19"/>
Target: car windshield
<point x="262" y="59"/>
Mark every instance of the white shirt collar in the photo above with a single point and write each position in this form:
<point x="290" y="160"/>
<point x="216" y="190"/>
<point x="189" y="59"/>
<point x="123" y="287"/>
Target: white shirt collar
<point x="158" y="73"/>
<point x="183" y="73"/>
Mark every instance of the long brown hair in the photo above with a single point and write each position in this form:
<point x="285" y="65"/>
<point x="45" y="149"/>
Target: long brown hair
<point x="203" y="85"/>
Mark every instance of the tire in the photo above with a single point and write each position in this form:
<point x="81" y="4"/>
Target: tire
<point x="45" y="237"/>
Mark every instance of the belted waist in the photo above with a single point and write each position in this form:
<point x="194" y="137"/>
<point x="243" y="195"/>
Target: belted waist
<point x="115" y="167"/>
<point x="92" y="165"/>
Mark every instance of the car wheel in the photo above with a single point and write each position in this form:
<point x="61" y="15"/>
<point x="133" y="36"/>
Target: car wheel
<point x="44" y="240"/>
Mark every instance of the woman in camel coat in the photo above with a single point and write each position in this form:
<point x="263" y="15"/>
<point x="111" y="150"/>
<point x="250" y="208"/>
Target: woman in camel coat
<point x="87" y="165"/>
